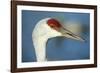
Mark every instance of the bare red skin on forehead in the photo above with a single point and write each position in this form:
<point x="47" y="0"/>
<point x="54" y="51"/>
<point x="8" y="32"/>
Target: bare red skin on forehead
<point x="54" y="23"/>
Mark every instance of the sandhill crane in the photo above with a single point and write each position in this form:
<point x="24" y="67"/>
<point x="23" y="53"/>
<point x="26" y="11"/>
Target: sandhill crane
<point x="45" y="29"/>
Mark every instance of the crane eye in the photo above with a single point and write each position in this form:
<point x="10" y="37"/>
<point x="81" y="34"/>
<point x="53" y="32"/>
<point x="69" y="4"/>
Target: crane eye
<point x="52" y="26"/>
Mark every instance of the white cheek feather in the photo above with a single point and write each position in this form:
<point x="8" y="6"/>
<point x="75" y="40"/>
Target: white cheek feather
<point x="50" y="33"/>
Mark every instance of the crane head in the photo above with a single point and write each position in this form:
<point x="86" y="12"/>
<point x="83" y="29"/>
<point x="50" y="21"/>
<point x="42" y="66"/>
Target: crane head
<point x="56" y="25"/>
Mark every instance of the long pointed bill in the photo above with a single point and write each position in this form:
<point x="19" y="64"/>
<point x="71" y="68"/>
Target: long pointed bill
<point x="68" y="34"/>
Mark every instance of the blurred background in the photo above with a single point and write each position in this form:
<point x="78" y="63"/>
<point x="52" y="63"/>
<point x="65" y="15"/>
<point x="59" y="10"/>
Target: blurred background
<point x="58" y="48"/>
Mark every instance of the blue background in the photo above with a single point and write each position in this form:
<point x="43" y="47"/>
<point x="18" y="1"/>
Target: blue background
<point x="58" y="48"/>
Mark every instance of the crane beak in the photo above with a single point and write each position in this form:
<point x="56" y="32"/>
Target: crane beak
<point x="68" y="34"/>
